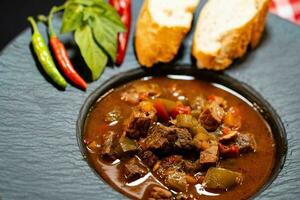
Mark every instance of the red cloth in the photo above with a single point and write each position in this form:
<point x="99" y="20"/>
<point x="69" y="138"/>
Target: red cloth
<point x="288" y="9"/>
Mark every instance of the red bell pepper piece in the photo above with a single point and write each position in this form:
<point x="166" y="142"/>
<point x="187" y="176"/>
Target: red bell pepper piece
<point x="180" y="109"/>
<point x="231" y="151"/>
<point x="161" y="110"/>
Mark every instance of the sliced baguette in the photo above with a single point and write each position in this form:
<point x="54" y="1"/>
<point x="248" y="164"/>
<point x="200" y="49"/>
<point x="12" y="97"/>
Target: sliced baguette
<point x="224" y="30"/>
<point x="160" y="29"/>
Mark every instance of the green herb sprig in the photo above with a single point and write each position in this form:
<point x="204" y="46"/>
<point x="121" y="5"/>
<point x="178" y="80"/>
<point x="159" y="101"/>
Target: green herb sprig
<point x="95" y="25"/>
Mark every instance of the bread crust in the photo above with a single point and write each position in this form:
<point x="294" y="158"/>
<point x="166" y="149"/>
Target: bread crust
<point x="155" y="43"/>
<point x="234" y="43"/>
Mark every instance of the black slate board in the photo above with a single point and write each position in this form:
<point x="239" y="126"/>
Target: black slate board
<point x="39" y="155"/>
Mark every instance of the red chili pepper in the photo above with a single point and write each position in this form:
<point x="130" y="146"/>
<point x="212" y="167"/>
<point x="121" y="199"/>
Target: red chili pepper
<point x="123" y="7"/>
<point x="61" y="55"/>
<point x="180" y="109"/>
<point x="64" y="62"/>
<point x="162" y="112"/>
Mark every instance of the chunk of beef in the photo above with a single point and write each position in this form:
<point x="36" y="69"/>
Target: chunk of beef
<point x="236" y="143"/>
<point x="158" y="193"/>
<point x="149" y="158"/>
<point x="210" y="156"/>
<point x="133" y="169"/>
<point x="140" y="92"/>
<point x="246" y="142"/>
<point x="156" y="138"/>
<point x="211" y="116"/>
<point x="166" y="138"/>
<point x="138" y="123"/>
<point x="174" y="161"/>
<point x="191" y="167"/>
<point x="177" y="163"/>
<point x="108" y="150"/>
<point x="184" y="138"/>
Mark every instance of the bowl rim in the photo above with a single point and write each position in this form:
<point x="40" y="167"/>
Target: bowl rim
<point x="246" y="91"/>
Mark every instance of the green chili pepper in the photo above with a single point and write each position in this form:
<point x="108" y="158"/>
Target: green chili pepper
<point x="43" y="54"/>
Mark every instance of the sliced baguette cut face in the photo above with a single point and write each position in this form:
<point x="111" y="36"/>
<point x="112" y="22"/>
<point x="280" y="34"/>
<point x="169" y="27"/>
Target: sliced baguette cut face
<point x="160" y="29"/>
<point x="173" y="13"/>
<point x="225" y="29"/>
<point x="219" y="17"/>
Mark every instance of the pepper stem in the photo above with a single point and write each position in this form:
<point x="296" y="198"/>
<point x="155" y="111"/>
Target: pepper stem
<point x="33" y="24"/>
<point x="54" y="10"/>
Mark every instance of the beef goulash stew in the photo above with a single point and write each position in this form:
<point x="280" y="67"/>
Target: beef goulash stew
<point x="163" y="138"/>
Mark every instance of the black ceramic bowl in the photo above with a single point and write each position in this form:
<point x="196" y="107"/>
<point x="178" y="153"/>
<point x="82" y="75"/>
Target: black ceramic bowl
<point x="243" y="90"/>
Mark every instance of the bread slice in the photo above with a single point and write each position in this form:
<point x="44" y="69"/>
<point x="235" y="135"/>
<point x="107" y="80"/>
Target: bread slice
<point x="224" y="30"/>
<point x="160" y="29"/>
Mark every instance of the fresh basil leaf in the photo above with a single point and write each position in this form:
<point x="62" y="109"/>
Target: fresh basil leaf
<point x="116" y="27"/>
<point x="105" y="32"/>
<point x="94" y="57"/>
<point x="106" y="10"/>
<point x="88" y="13"/>
<point x="72" y="18"/>
<point x="108" y="26"/>
<point x="112" y="15"/>
<point x="106" y="37"/>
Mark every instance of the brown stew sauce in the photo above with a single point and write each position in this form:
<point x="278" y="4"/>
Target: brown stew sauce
<point x="256" y="167"/>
